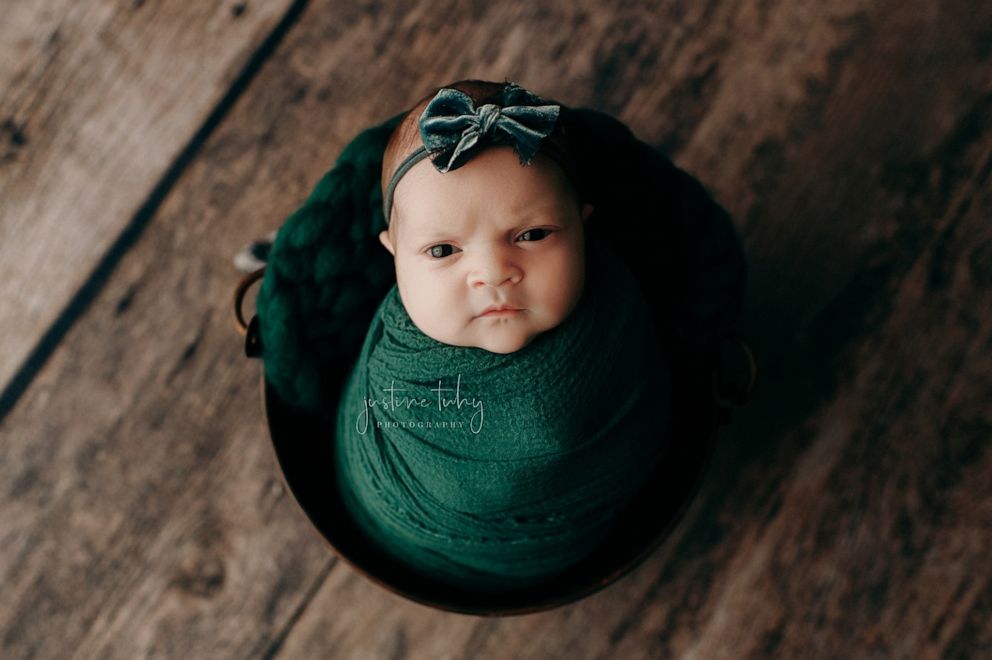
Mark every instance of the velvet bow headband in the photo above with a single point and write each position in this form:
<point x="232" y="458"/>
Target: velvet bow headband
<point x="453" y="129"/>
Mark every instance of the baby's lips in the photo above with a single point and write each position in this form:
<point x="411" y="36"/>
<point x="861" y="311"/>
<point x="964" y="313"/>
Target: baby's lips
<point x="508" y="308"/>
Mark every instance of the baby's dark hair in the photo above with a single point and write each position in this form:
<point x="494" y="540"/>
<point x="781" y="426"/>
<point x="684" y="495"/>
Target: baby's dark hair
<point x="406" y="136"/>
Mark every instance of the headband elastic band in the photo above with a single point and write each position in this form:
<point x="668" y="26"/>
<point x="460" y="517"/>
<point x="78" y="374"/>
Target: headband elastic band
<point x="408" y="162"/>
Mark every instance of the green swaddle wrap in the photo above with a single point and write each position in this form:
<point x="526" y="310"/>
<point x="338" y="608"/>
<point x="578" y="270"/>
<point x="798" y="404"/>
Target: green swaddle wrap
<point x="496" y="471"/>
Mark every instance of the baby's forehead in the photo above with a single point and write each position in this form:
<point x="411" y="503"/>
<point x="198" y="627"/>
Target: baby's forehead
<point x="499" y="181"/>
<point x="495" y="187"/>
<point x="425" y="211"/>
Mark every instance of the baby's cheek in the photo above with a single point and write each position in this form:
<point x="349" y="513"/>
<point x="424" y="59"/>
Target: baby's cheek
<point x="442" y="318"/>
<point x="563" y="285"/>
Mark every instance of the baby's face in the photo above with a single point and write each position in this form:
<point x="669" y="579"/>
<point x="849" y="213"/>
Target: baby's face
<point x="491" y="233"/>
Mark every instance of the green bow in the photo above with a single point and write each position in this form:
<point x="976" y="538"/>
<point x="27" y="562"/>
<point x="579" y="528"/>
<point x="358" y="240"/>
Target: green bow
<point x="451" y="126"/>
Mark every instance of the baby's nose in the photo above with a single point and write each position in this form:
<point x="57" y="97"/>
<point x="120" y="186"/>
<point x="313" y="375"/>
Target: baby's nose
<point x="494" y="268"/>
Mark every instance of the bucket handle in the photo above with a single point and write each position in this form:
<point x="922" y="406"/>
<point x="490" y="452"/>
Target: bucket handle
<point x="249" y="329"/>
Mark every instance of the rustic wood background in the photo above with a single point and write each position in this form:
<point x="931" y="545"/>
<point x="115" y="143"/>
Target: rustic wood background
<point x="849" y="509"/>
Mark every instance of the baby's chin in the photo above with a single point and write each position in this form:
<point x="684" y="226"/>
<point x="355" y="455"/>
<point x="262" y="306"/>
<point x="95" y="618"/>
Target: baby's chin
<point x="494" y="340"/>
<point x="504" y="345"/>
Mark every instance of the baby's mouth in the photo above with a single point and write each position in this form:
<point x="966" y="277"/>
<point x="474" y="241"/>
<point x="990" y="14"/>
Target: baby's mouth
<point x="500" y="310"/>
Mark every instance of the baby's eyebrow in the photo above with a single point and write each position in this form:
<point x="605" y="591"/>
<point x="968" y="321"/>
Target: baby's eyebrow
<point x="432" y="234"/>
<point x="522" y="214"/>
<point x="533" y="207"/>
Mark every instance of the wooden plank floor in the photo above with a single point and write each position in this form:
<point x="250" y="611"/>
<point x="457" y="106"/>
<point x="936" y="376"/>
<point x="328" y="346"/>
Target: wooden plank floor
<point x="849" y="509"/>
<point x="97" y="101"/>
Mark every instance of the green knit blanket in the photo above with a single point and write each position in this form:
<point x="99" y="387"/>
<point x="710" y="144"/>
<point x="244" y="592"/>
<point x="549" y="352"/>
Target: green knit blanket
<point x="497" y="471"/>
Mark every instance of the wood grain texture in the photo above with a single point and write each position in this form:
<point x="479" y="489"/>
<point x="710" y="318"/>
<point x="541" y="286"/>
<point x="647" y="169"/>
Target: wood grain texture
<point x="97" y="99"/>
<point x="849" y="511"/>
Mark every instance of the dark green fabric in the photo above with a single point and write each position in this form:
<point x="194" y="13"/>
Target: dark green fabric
<point x="554" y="438"/>
<point x="326" y="275"/>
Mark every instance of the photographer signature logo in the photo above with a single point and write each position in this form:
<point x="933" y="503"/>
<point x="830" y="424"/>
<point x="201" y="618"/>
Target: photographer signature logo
<point x="393" y="400"/>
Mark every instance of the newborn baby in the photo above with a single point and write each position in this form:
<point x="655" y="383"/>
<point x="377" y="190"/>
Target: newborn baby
<point x="489" y="255"/>
<point x="511" y="395"/>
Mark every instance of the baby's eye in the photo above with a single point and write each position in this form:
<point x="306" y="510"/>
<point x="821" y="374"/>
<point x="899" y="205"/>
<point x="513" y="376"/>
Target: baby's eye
<point x="440" y="251"/>
<point x="535" y="234"/>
